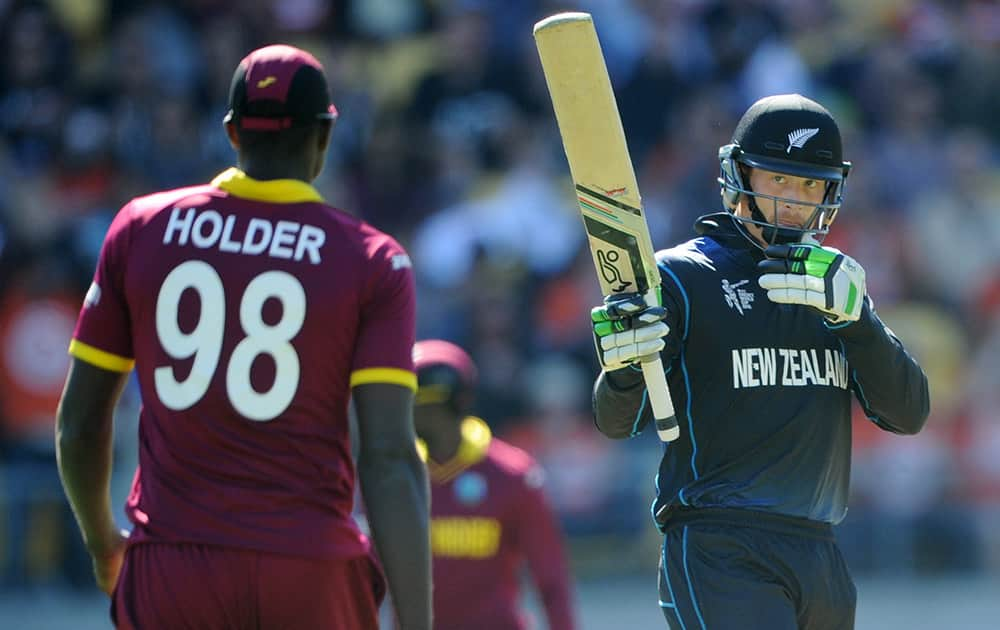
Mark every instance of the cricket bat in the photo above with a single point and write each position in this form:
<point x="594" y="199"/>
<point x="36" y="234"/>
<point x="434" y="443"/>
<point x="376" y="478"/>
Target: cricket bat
<point x="601" y="169"/>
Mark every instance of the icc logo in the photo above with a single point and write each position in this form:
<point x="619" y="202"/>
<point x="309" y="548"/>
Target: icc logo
<point x="736" y="297"/>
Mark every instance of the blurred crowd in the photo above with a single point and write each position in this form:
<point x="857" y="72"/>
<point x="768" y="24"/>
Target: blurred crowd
<point x="446" y="140"/>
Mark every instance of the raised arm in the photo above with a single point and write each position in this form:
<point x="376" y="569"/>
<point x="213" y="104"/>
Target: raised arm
<point x="625" y="329"/>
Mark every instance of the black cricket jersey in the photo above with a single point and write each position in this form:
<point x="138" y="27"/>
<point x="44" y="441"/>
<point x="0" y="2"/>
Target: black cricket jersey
<point x="762" y="390"/>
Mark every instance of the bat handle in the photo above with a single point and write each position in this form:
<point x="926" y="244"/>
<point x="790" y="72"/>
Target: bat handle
<point x="656" y="387"/>
<point x="659" y="399"/>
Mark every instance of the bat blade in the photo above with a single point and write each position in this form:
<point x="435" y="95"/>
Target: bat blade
<point x="599" y="161"/>
<point x="602" y="172"/>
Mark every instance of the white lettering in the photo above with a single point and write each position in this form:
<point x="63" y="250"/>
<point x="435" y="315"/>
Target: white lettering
<point x="207" y="229"/>
<point x="841" y="361"/>
<point x="815" y="369"/>
<point x="831" y="367"/>
<point x="311" y="238"/>
<point x="758" y="367"/>
<point x="739" y="370"/>
<point x="198" y="238"/>
<point x="753" y="366"/>
<point x="257" y="227"/>
<point x="808" y="374"/>
<point x="794" y="369"/>
<point x="175" y="223"/>
<point x="227" y="244"/>
<point x="770" y="367"/>
<point x="284" y="235"/>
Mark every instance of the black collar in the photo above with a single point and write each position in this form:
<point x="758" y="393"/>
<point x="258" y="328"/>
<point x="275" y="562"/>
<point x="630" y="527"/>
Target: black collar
<point x="727" y="231"/>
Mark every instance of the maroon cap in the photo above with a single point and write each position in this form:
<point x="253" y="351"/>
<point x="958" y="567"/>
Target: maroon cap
<point x="276" y="87"/>
<point x="443" y="370"/>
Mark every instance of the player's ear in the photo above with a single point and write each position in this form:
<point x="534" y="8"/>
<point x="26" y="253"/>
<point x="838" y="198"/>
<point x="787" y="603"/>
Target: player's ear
<point x="232" y="134"/>
<point x="325" y="131"/>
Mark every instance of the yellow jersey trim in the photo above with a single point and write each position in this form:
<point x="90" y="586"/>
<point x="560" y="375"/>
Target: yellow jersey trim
<point x="100" y="358"/>
<point x="392" y="376"/>
<point x="476" y="438"/>
<point x="239" y="184"/>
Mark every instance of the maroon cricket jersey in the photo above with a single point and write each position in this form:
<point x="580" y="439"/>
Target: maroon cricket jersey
<point x="489" y="516"/>
<point x="248" y="309"/>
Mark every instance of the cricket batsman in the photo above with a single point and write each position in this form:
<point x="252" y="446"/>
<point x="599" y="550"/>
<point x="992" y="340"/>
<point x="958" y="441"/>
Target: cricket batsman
<point x="766" y="336"/>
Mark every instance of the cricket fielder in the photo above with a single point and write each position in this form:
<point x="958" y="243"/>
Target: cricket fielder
<point x="766" y="336"/>
<point x="251" y="311"/>
<point x="490" y="518"/>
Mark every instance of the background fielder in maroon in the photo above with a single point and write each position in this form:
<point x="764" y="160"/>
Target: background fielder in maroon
<point x="251" y="310"/>
<point x="490" y="518"/>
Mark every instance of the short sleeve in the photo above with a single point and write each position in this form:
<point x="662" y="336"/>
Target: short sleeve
<point x="387" y="331"/>
<point x="103" y="334"/>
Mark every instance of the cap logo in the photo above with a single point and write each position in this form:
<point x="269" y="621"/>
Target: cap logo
<point x="266" y="81"/>
<point x="799" y="137"/>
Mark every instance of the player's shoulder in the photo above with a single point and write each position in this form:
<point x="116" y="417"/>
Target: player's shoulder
<point x="692" y="254"/>
<point x="360" y="237"/>
<point x="378" y="244"/>
<point x="153" y="203"/>
<point x="141" y="210"/>
<point x="703" y="252"/>
<point x="509" y="459"/>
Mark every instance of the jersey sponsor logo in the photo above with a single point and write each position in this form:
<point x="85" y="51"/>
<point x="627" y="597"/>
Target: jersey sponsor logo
<point x="535" y="477"/>
<point x="474" y="537"/>
<point x="207" y="229"/>
<point x="470" y="488"/>
<point x="798" y="138"/>
<point x="737" y="298"/>
<point x="788" y="367"/>
<point x="93" y="297"/>
<point x="614" y="192"/>
<point x="401" y="261"/>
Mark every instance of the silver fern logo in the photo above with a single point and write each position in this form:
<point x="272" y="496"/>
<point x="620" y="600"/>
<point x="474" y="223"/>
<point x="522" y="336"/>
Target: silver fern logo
<point x="799" y="137"/>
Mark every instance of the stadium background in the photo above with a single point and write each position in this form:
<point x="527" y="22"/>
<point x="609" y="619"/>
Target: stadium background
<point x="446" y="140"/>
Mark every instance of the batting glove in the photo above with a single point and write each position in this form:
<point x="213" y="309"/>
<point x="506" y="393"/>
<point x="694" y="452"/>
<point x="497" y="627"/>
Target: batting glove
<point x="821" y="277"/>
<point x="626" y="328"/>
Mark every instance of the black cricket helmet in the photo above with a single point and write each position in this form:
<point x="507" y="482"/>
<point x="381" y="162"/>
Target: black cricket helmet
<point x="793" y="135"/>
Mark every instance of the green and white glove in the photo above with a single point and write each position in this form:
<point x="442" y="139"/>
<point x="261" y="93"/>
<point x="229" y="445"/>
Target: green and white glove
<point x="821" y="277"/>
<point x="626" y="328"/>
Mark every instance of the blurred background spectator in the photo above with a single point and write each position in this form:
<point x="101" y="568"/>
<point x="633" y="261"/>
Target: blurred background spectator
<point x="447" y="141"/>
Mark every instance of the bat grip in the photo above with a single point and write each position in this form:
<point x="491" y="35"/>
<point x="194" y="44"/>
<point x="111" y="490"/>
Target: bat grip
<point x="659" y="398"/>
<point x="657" y="389"/>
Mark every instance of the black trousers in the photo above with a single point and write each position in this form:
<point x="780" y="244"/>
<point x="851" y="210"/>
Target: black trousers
<point x="733" y="569"/>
